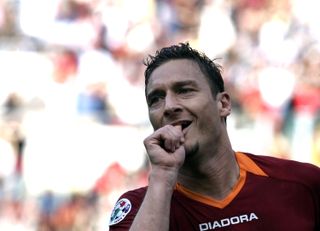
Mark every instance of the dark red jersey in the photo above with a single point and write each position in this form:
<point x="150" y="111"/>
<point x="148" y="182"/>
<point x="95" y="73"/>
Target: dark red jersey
<point x="271" y="195"/>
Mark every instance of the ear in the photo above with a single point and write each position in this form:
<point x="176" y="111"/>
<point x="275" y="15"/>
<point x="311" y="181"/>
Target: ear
<point x="224" y="104"/>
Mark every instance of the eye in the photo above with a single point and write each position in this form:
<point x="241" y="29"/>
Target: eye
<point x="154" y="100"/>
<point x="185" y="90"/>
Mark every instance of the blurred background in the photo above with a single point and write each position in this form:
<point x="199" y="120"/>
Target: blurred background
<point x="72" y="110"/>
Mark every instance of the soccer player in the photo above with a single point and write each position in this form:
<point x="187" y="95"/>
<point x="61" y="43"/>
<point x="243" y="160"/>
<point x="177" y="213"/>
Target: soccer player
<point x="197" y="181"/>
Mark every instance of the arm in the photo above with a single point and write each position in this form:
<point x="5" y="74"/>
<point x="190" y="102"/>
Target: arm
<point x="166" y="154"/>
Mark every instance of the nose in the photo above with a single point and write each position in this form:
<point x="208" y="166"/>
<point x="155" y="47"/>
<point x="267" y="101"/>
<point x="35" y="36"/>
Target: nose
<point x="172" y="105"/>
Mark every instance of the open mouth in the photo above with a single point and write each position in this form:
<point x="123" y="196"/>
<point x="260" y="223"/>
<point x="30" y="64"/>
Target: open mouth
<point x="185" y="124"/>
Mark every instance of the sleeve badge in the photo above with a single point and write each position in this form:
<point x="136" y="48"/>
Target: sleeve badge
<point x="120" y="211"/>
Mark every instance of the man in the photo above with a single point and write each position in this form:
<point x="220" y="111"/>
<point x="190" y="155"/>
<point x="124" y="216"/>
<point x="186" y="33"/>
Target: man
<point x="197" y="181"/>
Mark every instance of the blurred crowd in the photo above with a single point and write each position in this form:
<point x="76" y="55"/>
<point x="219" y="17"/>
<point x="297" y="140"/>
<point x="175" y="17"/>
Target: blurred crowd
<point x="72" y="107"/>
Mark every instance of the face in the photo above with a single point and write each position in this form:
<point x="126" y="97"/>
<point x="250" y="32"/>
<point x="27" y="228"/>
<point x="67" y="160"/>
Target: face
<point x="179" y="93"/>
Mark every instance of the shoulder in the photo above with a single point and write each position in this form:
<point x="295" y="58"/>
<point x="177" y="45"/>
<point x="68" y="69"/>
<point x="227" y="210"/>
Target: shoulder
<point x="290" y="170"/>
<point x="134" y="197"/>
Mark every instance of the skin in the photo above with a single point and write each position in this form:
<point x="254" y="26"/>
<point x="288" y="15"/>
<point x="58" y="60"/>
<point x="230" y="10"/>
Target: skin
<point x="199" y="156"/>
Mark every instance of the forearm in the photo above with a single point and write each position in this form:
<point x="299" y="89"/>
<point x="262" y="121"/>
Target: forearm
<point x="166" y="153"/>
<point x="154" y="213"/>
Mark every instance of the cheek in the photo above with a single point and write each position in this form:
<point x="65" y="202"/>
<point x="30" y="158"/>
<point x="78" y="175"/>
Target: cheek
<point x="208" y="116"/>
<point x="154" y="121"/>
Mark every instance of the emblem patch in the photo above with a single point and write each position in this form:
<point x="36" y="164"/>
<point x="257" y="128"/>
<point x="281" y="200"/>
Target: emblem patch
<point x="120" y="211"/>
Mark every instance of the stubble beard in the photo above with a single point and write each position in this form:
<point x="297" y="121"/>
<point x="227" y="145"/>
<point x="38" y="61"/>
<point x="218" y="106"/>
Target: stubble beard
<point x="191" y="153"/>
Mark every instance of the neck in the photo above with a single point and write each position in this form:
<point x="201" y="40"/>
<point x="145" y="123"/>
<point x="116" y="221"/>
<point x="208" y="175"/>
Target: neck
<point x="214" y="177"/>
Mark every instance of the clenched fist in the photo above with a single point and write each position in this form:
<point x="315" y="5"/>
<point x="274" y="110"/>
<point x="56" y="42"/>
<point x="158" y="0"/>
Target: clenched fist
<point x="165" y="149"/>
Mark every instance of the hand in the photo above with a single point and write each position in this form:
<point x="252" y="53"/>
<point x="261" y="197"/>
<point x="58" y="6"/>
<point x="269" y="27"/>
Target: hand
<point x="165" y="148"/>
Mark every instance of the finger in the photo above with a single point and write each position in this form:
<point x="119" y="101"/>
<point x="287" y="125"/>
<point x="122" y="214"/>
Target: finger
<point x="173" y="138"/>
<point x="179" y="141"/>
<point x="168" y="145"/>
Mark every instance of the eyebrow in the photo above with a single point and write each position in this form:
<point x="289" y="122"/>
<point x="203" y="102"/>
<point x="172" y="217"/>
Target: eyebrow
<point x="184" y="83"/>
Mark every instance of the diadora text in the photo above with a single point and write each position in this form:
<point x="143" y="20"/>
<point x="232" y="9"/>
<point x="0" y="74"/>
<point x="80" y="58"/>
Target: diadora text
<point x="228" y="221"/>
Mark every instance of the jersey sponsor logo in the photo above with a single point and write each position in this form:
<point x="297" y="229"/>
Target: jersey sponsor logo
<point x="228" y="221"/>
<point x="120" y="211"/>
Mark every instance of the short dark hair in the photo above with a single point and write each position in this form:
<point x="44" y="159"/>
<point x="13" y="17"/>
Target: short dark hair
<point x="210" y="69"/>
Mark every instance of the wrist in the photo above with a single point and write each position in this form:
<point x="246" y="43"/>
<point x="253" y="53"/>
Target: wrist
<point x="163" y="178"/>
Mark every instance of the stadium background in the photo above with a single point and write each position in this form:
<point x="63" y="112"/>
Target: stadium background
<point x="72" y="107"/>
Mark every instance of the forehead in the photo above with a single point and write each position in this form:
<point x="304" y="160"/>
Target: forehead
<point x="174" y="71"/>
